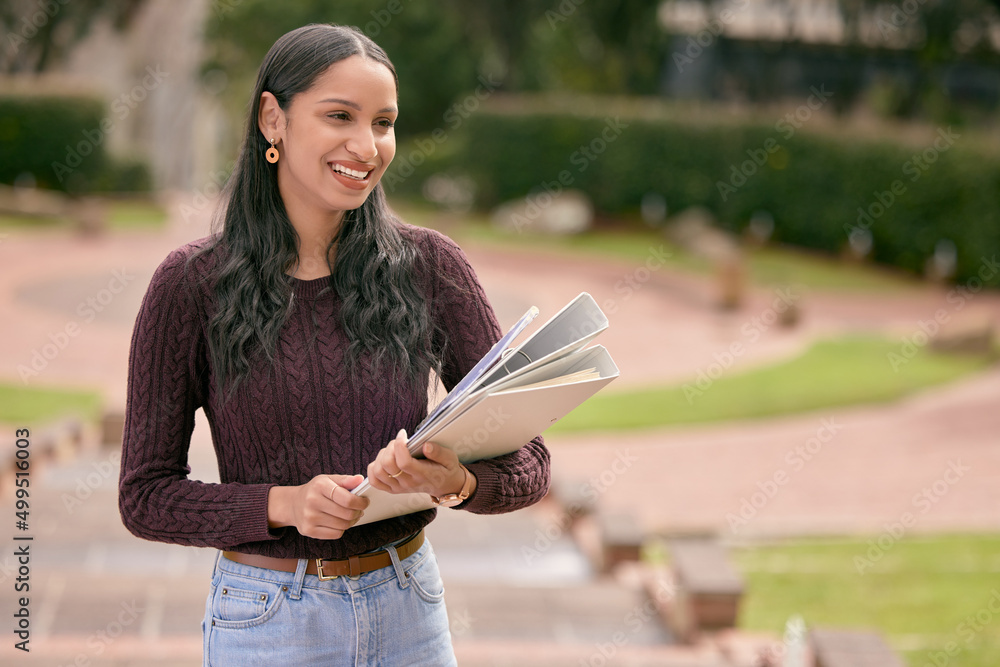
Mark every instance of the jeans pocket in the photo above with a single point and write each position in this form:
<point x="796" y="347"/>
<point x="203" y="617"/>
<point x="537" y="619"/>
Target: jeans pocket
<point x="246" y="604"/>
<point x="236" y="604"/>
<point x="425" y="578"/>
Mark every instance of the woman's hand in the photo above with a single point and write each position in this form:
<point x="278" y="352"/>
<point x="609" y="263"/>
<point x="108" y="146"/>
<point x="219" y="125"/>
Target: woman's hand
<point x="396" y="471"/>
<point x="322" y="508"/>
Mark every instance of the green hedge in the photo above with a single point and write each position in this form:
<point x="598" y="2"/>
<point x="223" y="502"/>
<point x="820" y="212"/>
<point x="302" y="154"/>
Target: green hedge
<point x="62" y="143"/>
<point x="812" y="184"/>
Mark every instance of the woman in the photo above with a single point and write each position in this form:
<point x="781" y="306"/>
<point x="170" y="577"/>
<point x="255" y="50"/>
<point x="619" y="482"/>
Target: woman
<point x="306" y="330"/>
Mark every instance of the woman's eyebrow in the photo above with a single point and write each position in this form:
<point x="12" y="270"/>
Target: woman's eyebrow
<point x="353" y="105"/>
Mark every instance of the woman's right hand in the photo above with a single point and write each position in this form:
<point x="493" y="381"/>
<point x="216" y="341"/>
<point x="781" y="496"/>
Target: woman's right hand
<point x="322" y="508"/>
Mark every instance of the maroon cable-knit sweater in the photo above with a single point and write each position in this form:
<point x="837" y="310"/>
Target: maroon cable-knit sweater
<point x="294" y="419"/>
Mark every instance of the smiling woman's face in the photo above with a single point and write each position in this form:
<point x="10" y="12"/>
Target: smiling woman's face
<point x="338" y="137"/>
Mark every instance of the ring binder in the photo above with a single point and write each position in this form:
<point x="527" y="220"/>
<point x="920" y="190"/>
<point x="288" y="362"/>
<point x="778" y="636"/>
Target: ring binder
<point x="516" y="352"/>
<point x="495" y="410"/>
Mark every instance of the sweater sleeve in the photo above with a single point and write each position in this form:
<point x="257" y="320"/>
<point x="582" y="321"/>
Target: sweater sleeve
<point x="167" y="382"/>
<point x="512" y="481"/>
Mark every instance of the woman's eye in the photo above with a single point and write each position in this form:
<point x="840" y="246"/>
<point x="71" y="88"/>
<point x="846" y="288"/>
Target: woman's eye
<point x="339" y="115"/>
<point x="386" y="123"/>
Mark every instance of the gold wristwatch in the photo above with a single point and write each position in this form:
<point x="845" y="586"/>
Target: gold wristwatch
<point x="452" y="499"/>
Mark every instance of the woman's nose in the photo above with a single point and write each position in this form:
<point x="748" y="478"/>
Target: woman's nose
<point x="362" y="145"/>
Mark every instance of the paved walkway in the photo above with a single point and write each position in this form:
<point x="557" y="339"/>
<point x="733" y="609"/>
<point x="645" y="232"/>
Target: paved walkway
<point x="68" y="306"/>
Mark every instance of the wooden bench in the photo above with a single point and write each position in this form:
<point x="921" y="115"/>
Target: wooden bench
<point x="966" y="333"/>
<point x="573" y="499"/>
<point x="709" y="590"/>
<point x="851" y="648"/>
<point x="621" y="540"/>
<point x="112" y="428"/>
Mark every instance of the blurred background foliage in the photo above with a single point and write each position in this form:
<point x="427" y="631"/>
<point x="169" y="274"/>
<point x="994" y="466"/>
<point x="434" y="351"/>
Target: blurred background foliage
<point x="815" y="189"/>
<point x="445" y="49"/>
<point x="41" y="134"/>
<point x="495" y="80"/>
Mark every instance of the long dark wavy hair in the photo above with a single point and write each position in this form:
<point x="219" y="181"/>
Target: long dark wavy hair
<point x="382" y="312"/>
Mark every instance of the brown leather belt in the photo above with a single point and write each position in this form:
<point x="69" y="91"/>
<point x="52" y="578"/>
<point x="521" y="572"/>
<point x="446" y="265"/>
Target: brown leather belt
<point x="327" y="569"/>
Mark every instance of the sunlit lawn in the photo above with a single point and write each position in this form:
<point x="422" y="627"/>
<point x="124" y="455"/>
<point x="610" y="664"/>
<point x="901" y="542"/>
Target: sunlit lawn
<point x="136" y="213"/>
<point x="829" y="374"/>
<point x="121" y="214"/>
<point x="25" y="405"/>
<point x="919" y="593"/>
<point x="631" y="241"/>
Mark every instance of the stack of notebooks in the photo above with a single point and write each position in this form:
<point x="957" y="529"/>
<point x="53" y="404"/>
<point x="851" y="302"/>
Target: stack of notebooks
<point x="512" y="395"/>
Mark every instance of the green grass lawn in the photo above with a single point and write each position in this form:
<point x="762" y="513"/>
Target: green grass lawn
<point x="29" y="406"/>
<point x="127" y="214"/>
<point x="921" y="594"/>
<point x="122" y="214"/>
<point x="632" y="241"/>
<point x="830" y="374"/>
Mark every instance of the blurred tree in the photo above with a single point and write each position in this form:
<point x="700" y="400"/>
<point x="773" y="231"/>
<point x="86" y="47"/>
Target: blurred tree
<point x="934" y="34"/>
<point x="572" y="45"/>
<point x="39" y="35"/>
<point x="434" y="57"/>
<point x="910" y="48"/>
<point x="446" y="48"/>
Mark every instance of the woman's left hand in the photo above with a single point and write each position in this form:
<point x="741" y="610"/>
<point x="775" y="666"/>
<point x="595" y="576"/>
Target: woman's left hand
<point x="396" y="471"/>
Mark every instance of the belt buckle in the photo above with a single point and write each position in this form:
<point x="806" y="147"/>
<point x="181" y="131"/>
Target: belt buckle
<point x="319" y="572"/>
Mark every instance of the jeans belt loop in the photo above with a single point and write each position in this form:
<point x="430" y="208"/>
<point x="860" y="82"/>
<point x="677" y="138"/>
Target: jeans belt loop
<point x="295" y="590"/>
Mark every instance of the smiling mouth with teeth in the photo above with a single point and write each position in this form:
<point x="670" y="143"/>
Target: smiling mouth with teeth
<point x="351" y="173"/>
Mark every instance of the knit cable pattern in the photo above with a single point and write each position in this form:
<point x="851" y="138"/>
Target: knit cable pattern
<point x="291" y="420"/>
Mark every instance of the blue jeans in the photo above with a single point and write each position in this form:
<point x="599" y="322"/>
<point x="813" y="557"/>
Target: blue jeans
<point x="393" y="616"/>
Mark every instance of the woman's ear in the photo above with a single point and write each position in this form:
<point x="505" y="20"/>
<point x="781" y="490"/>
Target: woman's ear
<point x="270" y="117"/>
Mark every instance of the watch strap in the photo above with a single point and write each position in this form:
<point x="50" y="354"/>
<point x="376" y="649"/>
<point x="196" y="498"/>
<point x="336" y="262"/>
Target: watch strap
<point x="460" y="497"/>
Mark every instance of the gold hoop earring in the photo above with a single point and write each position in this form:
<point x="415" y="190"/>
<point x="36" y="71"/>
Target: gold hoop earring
<point x="272" y="153"/>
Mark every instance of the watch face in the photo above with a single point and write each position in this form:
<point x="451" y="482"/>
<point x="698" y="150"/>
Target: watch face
<point x="449" y="500"/>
